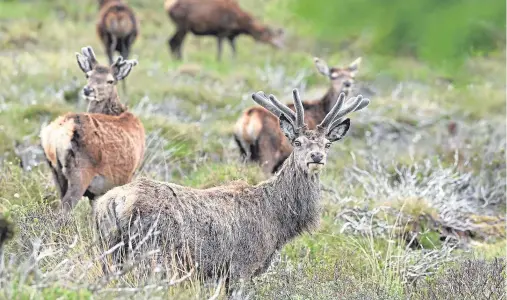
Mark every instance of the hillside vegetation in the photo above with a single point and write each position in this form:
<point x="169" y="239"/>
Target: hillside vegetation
<point x="414" y="197"/>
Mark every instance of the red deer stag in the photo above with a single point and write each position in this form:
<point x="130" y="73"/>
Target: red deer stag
<point x="230" y="231"/>
<point x="90" y="153"/>
<point x="220" y="18"/>
<point x="257" y="133"/>
<point x="117" y="28"/>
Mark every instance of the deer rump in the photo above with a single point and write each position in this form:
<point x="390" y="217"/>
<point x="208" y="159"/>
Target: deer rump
<point x="117" y="19"/>
<point x="224" y="18"/>
<point x="260" y="139"/>
<point x="101" y="148"/>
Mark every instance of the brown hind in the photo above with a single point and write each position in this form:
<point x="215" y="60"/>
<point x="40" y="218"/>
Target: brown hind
<point x="220" y="18"/>
<point x="117" y="28"/>
<point x="90" y="153"/>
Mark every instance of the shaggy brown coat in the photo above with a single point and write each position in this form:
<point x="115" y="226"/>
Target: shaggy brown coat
<point x="220" y="18"/>
<point x="230" y="231"/>
<point x="257" y="133"/>
<point x="90" y="153"/>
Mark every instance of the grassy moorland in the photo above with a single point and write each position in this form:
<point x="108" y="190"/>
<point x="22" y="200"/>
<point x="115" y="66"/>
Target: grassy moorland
<point x="410" y="208"/>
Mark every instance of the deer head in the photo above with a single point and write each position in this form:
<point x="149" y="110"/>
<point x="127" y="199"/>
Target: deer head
<point x="311" y="146"/>
<point x="265" y="34"/>
<point x="100" y="90"/>
<point x="341" y="79"/>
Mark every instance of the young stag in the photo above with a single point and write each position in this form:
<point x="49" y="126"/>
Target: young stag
<point x="117" y="28"/>
<point x="220" y="18"/>
<point x="257" y="133"/>
<point x="89" y="153"/>
<point x="235" y="228"/>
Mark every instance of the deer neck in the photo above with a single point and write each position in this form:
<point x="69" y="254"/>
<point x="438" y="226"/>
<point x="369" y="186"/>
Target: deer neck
<point x="110" y="106"/>
<point x="254" y="28"/>
<point x="330" y="98"/>
<point x="293" y="198"/>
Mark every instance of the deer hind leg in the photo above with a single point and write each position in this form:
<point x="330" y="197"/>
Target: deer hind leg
<point x="59" y="178"/>
<point x="176" y="41"/>
<point x="233" y="45"/>
<point x="79" y="174"/>
<point x="242" y="151"/>
<point x="219" y="48"/>
<point x="111" y="47"/>
<point x="124" y="46"/>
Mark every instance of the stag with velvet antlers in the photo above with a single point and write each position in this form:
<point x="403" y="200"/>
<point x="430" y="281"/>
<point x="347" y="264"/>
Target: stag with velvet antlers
<point x="233" y="230"/>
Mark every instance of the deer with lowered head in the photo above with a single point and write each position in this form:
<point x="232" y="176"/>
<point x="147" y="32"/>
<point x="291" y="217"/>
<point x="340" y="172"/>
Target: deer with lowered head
<point x="221" y="18"/>
<point x="117" y="28"/>
<point x="258" y="135"/>
<point x="90" y="153"/>
<point x="235" y="228"/>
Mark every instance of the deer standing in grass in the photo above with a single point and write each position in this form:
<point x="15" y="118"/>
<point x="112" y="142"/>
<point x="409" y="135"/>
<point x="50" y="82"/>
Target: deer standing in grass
<point x="235" y="229"/>
<point x="117" y="28"/>
<point x="257" y="133"/>
<point x="89" y="153"/>
<point x="221" y="18"/>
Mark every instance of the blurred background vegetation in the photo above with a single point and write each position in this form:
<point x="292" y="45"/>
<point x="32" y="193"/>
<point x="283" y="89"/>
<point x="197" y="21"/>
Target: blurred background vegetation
<point x="442" y="33"/>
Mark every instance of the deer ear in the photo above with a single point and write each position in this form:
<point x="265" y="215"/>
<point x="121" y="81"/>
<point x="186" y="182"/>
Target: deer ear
<point x="354" y="66"/>
<point x="83" y="62"/>
<point x="287" y="127"/>
<point x="121" y="68"/>
<point x="337" y="132"/>
<point x="321" y="66"/>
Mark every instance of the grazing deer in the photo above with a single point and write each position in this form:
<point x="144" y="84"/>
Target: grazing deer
<point x="257" y="133"/>
<point x="220" y="18"/>
<point x="235" y="228"/>
<point x="89" y="153"/>
<point x="117" y="28"/>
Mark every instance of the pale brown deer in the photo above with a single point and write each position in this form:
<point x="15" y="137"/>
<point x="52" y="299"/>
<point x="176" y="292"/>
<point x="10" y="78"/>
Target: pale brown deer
<point x="221" y="18"/>
<point x="90" y="153"/>
<point x="232" y="230"/>
<point x="117" y="28"/>
<point x="257" y="133"/>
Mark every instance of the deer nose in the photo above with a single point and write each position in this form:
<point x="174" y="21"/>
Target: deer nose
<point x="347" y="83"/>
<point x="87" y="91"/>
<point x="317" y="156"/>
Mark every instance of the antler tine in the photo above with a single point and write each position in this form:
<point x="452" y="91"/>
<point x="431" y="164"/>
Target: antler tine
<point x="361" y="105"/>
<point x="353" y="106"/>
<point x="300" y="112"/>
<point x="88" y="52"/>
<point x="331" y="115"/>
<point x="260" y="98"/>
<point x="283" y="108"/>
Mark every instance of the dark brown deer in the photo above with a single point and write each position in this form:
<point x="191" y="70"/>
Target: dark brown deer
<point x="117" y="28"/>
<point x="257" y="133"/>
<point x="90" y="153"/>
<point x="221" y="18"/>
<point x="233" y="230"/>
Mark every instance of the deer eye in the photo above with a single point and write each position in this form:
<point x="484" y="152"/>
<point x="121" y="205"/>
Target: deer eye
<point x="110" y="81"/>
<point x="328" y="145"/>
<point x="297" y="143"/>
<point x="87" y="76"/>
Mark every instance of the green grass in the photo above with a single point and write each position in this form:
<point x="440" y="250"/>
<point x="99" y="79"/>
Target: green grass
<point x="190" y="108"/>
